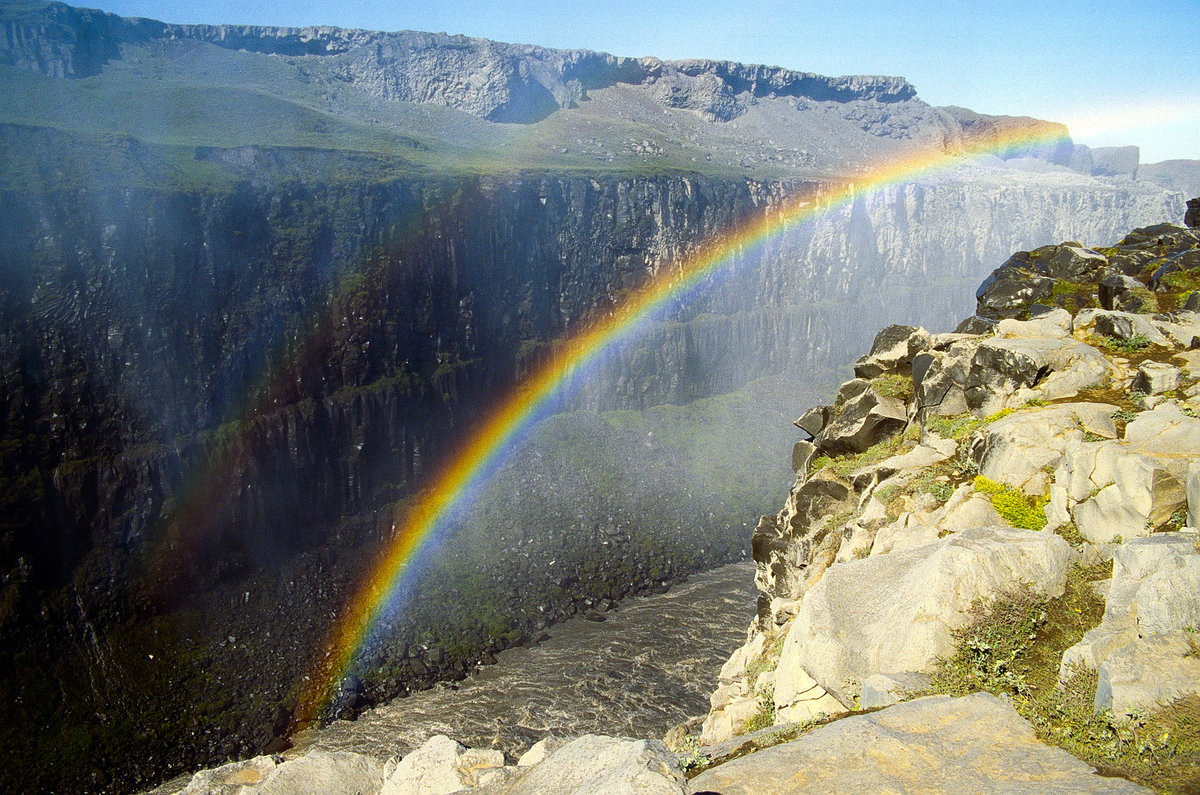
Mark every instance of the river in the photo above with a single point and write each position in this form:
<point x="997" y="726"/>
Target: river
<point x="649" y="666"/>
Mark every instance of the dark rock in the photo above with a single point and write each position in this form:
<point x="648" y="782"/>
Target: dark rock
<point x="593" y="615"/>
<point x="865" y="419"/>
<point x="1192" y="216"/>
<point x="1130" y="261"/>
<point x="814" y="420"/>
<point x="1010" y="289"/>
<point x="892" y="351"/>
<point x="976" y="325"/>
<point x="920" y="366"/>
<point x="1117" y="291"/>
<point x="1074" y="263"/>
<point x="1192" y="304"/>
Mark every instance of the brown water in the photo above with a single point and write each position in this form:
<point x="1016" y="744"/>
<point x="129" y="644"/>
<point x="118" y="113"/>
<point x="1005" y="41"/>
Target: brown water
<point x="649" y="666"/>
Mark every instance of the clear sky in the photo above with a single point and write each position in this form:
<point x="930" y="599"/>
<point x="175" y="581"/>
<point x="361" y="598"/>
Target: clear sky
<point x="1115" y="72"/>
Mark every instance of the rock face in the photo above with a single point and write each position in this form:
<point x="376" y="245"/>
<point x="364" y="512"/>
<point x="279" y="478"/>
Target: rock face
<point x="1193" y="213"/>
<point x="894" y="613"/>
<point x="1141" y="650"/>
<point x="937" y="744"/>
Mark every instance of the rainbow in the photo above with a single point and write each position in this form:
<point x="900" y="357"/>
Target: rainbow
<point x="515" y="416"/>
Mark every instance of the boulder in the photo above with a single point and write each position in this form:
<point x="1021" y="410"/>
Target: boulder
<point x="1074" y="263"/>
<point x="596" y="765"/>
<point x="1140" y="650"/>
<point x="1119" y="325"/>
<point x="538" y="752"/>
<point x="813" y="420"/>
<point x="335" y="772"/>
<point x="1154" y="378"/>
<point x="865" y="419"/>
<point x="1127" y="487"/>
<point x="896" y="612"/>
<point x="1192" y="303"/>
<point x="1054" y="323"/>
<point x="1121" y="292"/>
<point x="802" y="456"/>
<point x="892" y="351"/>
<point x="975" y="325"/>
<point x="1181" y="328"/>
<point x="1009" y="372"/>
<point x="1015" y="448"/>
<point x="937" y="744"/>
<point x="1010" y="289"/>
<point x="1192" y="216"/>
<point x="442" y="766"/>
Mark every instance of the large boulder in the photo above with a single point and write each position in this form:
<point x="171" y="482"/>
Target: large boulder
<point x="1121" y="292"/>
<point x="892" y="351"/>
<point x="1118" y="325"/>
<point x="1127" y="487"/>
<point x="1010" y="289"/>
<point x="896" y="612"/>
<point x="863" y="420"/>
<point x="1141" y="650"/>
<point x="1192" y="216"/>
<point x="1016" y="448"/>
<point x="598" y="765"/>
<point x="1009" y="372"/>
<point x="1154" y="378"/>
<point x="1071" y="262"/>
<point x="442" y="766"/>
<point x="937" y="744"/>
<point x="335" y="772"/>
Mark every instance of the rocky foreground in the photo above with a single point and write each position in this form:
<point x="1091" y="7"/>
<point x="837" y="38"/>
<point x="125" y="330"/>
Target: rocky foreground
<point x="1010" y="508"/>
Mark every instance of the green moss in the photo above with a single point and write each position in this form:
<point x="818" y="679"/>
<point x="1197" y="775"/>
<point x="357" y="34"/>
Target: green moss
<point x="955" y="428"/>
<point x="1016" y="508"/>
<point x="893" y="385"/>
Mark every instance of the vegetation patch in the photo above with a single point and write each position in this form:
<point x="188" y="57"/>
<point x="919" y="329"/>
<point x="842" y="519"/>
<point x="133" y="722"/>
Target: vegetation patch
<point x="844" y="465"/>
<point x="1012" y="647"/>
<point x="1016" y="508"/>
<point x="1134" y="344"/>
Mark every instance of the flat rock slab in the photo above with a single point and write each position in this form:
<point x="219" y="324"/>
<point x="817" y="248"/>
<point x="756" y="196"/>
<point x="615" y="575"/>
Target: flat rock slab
<point x="976" y="743"/>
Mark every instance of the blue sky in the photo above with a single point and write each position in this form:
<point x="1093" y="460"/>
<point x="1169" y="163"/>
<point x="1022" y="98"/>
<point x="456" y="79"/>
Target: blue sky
<point x="1114" y="72"/>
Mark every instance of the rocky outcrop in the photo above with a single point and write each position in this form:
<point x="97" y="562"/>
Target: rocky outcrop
<point x="1061" y="416"/>
<point x="1193" y="213"/>
<point x="976" y="743"/>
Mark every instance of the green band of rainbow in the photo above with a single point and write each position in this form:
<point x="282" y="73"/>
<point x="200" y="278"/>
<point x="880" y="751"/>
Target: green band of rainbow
<point x="513" y="416"/>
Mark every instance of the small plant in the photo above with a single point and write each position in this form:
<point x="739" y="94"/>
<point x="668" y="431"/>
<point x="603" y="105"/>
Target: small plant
<point x="1124" y="415"/>
<point x="999" y="415"/>
<point x="992" y="648"/>
<point x="1178" y="519"/>
<point x="689" y="755"/>
<point x="765" y="716"/>
<point x="1134" y="344"/>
